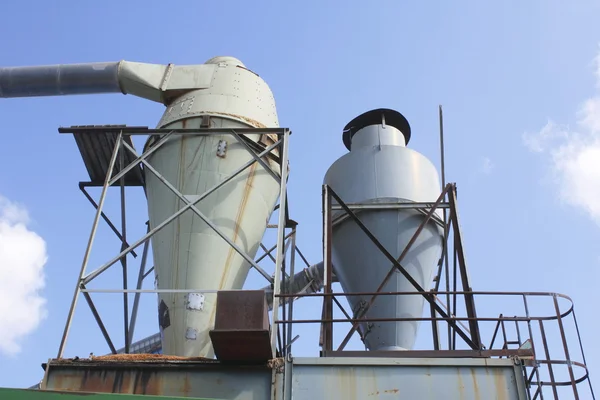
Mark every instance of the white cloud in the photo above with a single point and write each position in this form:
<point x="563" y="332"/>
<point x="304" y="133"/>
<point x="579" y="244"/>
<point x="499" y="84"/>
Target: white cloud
<point x="487" y="165"/>
<point x="22" y="259"/>
<point x="574" y="155"/>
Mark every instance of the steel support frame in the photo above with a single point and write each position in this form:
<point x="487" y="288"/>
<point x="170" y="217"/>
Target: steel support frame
<point x="439" y="310"/>
<point x="256" y="150"/>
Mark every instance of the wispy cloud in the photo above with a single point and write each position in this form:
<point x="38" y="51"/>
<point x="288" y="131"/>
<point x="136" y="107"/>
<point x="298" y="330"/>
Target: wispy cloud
<point x="487" y="165"/>
<point x="22" y="259"/>
<point x="574" y="154"/>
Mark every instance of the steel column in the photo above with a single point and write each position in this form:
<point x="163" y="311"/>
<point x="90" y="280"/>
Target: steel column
<point x="280" y="241"/>
<point x="88" y="249"/>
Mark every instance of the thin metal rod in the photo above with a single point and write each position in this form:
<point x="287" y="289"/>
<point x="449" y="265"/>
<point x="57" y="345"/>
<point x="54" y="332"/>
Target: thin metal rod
<point x="302" y="257"/>
<point x="149" y="271"/>
<point x="144" y="130"/>
<point x="442" y="164"/>
<point x="505" y="345"/>
<point x="140" y="280"/>
<point x="267" y="168"/>
<point x="104" y="216"/>
<point x="328" y="275"/>
<point x="96" y="315"/>
<point x="547" y="351"/>
<point x="566" y="348"/>
<point x="207" y="221"/>
<point x="160" y="226"/>
<point x="140" y="158"/>
<point x="150" y="290"/>
<point x="88" y="249"/>
<point x="124" y="246"/>
<point x="434" y="328"/>
<point x="445" y="219"/>
<point x="289" y="340"/>
<point x="282" y="329"/>
<point x="452" y="310"/>
<point x="280" y="241"/>
<point x="475" y="293"/>
<point x="454" y="289"/>
<point x="443" y="262"/>
<point x="270" y="250"/>
<point x="390" y="206"/>
<point x="582" y="352"/>
<point x="401" y="319"/>
<point x="267" y="253"/>
<point x="342" y="309"/>
<point x="530" y="330"/>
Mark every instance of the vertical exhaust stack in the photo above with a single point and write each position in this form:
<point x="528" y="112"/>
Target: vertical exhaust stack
<point x="188" y="254"/>
<point x="380" y="168"/>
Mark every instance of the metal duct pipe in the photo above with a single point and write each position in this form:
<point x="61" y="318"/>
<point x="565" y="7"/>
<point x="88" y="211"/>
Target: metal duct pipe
<point x="155" y="82"/>
<point x="309" y="280"/>
<point x="55" y="80"/>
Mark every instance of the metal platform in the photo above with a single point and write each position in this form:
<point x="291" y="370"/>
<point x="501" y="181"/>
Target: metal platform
<point x="96" y="144"/>
<point x="307" y="378"/>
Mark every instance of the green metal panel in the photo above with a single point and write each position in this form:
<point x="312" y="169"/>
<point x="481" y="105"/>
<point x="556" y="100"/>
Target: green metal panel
<point x="26" y="394"/>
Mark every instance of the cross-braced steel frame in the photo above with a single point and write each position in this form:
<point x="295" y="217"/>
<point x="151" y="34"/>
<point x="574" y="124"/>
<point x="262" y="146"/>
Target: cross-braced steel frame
<point x="445" y="311"/>
<point x="522" y="337"/>
<point x="115" y="176"/>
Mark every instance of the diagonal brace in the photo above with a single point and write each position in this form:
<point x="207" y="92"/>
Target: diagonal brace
<point x="462" y="265"/>
<point x="160" y="226"/>
<point x="396" y="265"/>
<point x="262" y="162"/>
<point x="204" y="218"/>
<point x="104" y="216"/>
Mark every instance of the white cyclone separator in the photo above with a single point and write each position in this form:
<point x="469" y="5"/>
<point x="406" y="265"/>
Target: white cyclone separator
<point x="380" y="168"/>
<point x="189" y="254"/>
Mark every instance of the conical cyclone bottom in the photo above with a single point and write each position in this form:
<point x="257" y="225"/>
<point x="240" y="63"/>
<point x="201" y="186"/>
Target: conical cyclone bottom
<point x="361" y="267"/>
<point x="189" y="254"/>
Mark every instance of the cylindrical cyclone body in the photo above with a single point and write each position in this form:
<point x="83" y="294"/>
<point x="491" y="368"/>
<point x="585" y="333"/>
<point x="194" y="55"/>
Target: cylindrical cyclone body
<point x="189" y="254"/>
<point x="379" y="168"/>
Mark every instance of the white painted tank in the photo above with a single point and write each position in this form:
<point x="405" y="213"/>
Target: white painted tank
<point x="380" y="168"/>
<point x="188" y="254"/>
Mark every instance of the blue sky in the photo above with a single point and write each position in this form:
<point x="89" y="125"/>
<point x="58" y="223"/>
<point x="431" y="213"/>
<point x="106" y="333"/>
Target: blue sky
<point x="517" y="80"/>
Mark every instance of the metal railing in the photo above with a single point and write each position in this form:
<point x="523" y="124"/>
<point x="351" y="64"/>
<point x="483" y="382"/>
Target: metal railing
<point x="526" y="336"/>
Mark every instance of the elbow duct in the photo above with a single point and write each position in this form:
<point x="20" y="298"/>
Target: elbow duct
<point x="309" y="280"/>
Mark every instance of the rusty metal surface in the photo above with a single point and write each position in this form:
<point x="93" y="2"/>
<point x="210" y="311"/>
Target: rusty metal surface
<point x="96" y="147"/>
<point x="242" y="326"/>
<point x="241" y="310"/>
<point x="162" y="376"/>
<point x="427" y="378"/>
<point x="521" y="353"/>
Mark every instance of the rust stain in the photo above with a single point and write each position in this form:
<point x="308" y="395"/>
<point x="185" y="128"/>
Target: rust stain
<point x="139" y="357"/>
<point x="187" y="386"/>
<point x="500" y="386"/>
<point x="240" y="214"/>
<point x="461" y="386"/>
<point x="247" y="120"/>
<point x="254" y="123"/>
<point x="391" y="391"/>
<point x="475" y="384"/>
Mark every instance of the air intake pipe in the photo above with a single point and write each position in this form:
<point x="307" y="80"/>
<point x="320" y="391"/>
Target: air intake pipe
<point x="155" y="82"/>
